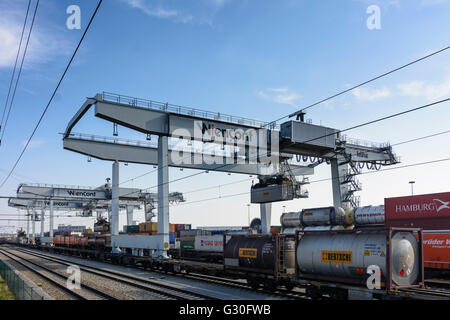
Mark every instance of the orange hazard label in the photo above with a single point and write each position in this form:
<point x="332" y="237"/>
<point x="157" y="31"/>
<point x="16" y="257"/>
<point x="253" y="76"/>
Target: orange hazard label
<point x="248" y="253"/>
<point x="336" y="257"/>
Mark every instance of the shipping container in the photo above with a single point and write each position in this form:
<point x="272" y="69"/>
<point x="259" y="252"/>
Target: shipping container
<point x="275" y="229"/>
<point x="187" y="245"/>
<point x="209" y="243"/>
<point x="427" y="211"/>
<point x="260" y="254"/>
<point x="179" y="227"/>
<point x="436" y="249"/>
<point x="344" y="256"/>
<point x="131" y="229"/>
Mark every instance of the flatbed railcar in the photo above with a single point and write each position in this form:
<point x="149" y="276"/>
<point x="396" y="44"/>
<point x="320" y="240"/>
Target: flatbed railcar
<point x="273" y="262"/>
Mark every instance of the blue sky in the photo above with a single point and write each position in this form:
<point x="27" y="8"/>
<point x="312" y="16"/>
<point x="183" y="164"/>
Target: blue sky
<point x="257" y="59"/>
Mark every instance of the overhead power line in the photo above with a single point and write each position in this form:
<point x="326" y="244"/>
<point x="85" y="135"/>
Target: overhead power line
<point x="421" y="138"/>
<point x="53" y="95"/>
<point x="316" y="181"/>
<point x="244" y="180"/>
<point x="344" y="130"/>
<point x="15" y="63"/>
<point x="359" y="85"/>
<point x="383" y="118"/>
<point x="19" y="73"/>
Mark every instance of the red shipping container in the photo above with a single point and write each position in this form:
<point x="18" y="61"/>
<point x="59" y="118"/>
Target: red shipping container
<point x="427" y="211"/>
<point x="436" y="249"/>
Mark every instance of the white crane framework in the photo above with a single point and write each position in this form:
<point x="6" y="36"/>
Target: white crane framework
<point x="268" y="158"/>
<point x="32" y="197"/>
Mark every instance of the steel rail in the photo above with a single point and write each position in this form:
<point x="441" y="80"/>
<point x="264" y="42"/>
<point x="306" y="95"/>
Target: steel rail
<point x="84" y="286"/>
<point x="107" y="274"/>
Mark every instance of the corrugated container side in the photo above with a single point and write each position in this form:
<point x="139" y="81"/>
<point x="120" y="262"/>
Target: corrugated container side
<point x="428" y="211"/>
<point x="187" y="245"/>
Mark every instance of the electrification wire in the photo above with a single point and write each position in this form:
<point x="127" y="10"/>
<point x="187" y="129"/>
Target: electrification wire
<point x="421" y="138"/>
<point x="19" y="73"/>
<point x="15" y="63"/>
<point x="316" y="181"/>
<point x="244" y="180"/>
<point x="155" y="170"/>
<point x="335" y="95"/>
<point x="382" y="119"/>
<point x="359" y="85"/>
<point x="54" y="93"/>
<point x="333" y="133"/>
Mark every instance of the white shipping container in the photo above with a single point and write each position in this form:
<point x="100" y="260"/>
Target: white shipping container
<point x="209" y="243"/>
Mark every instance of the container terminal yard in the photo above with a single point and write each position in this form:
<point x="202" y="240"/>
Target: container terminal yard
<point x="118" y="239"/>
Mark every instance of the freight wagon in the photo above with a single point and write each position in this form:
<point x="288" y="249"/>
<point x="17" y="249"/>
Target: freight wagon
<point x="436" y="249"/>
<point x="200" y="247"/>
<point x="430" y="212"/>
<point x="267" y="260"/>
<point x="333" y="263"/>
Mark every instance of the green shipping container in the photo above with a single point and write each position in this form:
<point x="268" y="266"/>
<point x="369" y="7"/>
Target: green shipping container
<point x="187" y="245"/>
<point x="132" y="229"/>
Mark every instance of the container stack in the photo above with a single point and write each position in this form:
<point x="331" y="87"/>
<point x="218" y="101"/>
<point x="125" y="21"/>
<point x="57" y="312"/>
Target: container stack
<point x="187" y="238"/>
<point x="148" y="227"/>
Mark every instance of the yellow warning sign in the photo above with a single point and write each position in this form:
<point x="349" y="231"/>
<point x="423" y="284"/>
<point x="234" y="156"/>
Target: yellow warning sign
<point x="248" y="253"/>
<point x="382" y="254"/>
<point x="344" y="257"/>
<point x="367" y="252"/>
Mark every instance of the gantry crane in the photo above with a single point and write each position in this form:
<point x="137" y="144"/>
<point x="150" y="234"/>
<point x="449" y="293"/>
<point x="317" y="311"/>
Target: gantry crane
<point x="250" y="147"/>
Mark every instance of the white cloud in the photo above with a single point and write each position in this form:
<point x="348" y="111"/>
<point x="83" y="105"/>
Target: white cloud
<point x="370" y="95"/>
<point x="200" y="11"/>
<point x="427" y="3"/>
<point x="44" y="44"/>
<point x="431" y="91"/>
<point x="280" y="95"/>
<point x="155" y="11"/>
<point x="33" y="143"/>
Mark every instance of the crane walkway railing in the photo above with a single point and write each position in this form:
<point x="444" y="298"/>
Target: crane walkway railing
<point x="183" y="110"/>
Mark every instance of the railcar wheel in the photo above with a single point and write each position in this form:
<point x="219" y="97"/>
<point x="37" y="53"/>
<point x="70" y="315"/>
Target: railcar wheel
<point x="270" y="285"/>
<point x="313" y="292"/>
<point x="289" y="286"/>
<point x="254" y="283"/>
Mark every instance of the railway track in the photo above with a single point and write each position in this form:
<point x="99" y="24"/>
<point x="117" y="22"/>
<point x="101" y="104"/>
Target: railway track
<point x="141" y="283"/>
<point x="243" y="286"/>
<point x="206" y="279"/>
<point x="439" y="283"/>
<point x="49" y="275"/>
<point x="430" y="291"/>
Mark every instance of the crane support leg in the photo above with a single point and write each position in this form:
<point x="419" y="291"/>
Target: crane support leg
<point x="33" y="226"/>
<point x="129" y="215"/>
<point x="28" y="225"/>
<point x="163" y="197"/>
<point x="114" y="223"/>
<point x="42" y="224"/>
<point x="336" y="183"/>
<point x="266" y="213"/>
<point x="51" y="218"/>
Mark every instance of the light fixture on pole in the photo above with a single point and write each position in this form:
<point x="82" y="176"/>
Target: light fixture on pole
<point x="412" y="187"/>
